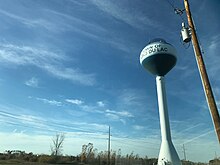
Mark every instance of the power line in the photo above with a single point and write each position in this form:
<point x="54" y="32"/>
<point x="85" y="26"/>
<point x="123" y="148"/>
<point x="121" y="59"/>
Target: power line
<point x="171" y="4"/>
<point x="51" y="126"/>
<point x="37" y="123"/>
<point x="176" y="10"/>
<point x="136" y="146"/>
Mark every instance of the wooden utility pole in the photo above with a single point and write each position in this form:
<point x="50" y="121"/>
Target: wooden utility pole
<point x="109" y="134"/>
<point x="203" y="74"/>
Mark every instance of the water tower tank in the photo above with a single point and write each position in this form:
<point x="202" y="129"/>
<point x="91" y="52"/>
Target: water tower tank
<point x="158" y="57"/>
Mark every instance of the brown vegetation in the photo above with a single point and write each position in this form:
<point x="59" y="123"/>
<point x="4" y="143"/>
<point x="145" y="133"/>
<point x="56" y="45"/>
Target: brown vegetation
<point x="85" y="158"/>
<point x="88" y="156"/>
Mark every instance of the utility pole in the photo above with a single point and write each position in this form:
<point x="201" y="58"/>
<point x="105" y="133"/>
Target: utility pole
<point x="203" y="74"/>
<point x="184" y="152"/>
<point x="109" y="134"/>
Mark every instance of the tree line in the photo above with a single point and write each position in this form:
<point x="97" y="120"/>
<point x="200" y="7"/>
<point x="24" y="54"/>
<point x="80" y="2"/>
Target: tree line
<point x="88" y="156"/>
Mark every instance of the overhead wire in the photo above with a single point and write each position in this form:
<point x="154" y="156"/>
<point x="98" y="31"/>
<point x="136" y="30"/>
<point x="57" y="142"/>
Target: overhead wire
<point x="186" y="45"/>
<point x="179" y="12"/>
<point x="176" y="10"/>
<point x="171" y="4"/>
<point x="136" y="145"/>
<point x="51" y="126"/>
<point x="48" y="125"/>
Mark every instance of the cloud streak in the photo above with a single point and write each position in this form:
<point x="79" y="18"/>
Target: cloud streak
<point x="61" y="22"/>
<point x="51" y="102"/>
<point x="74" y="101"/>
<point x="35" y="22"/>
<point x="26" y="56"/>
<point x="138" y="127"/>
<point x="37" y="123"/>
<point x="33" y="82"/>
<point x="213" y="57"/>
<point x="136" y="20"/>
<point x="91" y="30"/>
<point x="100" y="103"/>
<point x="119" y="113"/>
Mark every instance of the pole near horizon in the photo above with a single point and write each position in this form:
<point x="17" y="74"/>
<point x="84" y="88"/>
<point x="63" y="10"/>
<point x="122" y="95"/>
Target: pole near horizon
<point x="109" y="134"/>
<point x="203" y="73"/>
<point x="184" y="152"/>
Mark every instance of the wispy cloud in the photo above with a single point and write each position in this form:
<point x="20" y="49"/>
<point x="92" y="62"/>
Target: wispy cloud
<point x="33" y="82"/>
<point x="91" y="108"/>
<point x="26" y="55"/>
<point x="118" y="116"/>
<point x="136" y="20"/>
<point x="82" y="133"/>
<point x="216" y="91"/>
<point x="186" y="70"/>
<point x="54" y="21"/>
<point x="138" y="127"/>
<point x="51" y="102"/>
<point x="113" y="117"/>
<point x="23" y="120"/>
<point x="35" y="22"/>
<point x="214" y="42"/>
<point x="212" y="59"/>
<point x="74" y="101"/>
<point x="100" y="103"/>
<point x="130" y="97"/>
<point x="100" y="108"/>
<point x="119" y="113"/>
<point x="37" y="123"/>
<point x="78" y="25"/>
<point x="92" y="30"/>
<point x="75" y="75"/>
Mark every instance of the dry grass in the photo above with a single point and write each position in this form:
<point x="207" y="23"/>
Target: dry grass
<point x="20" y="162"/>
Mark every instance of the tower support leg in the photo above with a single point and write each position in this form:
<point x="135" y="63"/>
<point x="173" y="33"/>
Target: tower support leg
<point x="168" y="154"/>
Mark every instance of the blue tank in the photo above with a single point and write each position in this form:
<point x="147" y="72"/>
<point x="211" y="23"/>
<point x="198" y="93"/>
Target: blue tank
<point x="158" y="57"/>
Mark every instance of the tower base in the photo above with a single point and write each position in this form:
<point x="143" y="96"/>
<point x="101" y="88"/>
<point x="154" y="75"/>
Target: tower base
<point x="168" y="154"/>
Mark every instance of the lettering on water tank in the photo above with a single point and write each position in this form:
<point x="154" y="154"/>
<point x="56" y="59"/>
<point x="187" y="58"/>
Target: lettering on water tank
<point x="157" y="48"/>
<point x="154" y="48"/>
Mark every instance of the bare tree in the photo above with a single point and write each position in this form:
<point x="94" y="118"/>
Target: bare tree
<point x="87" y="152"/>
<point x="57" y="144"/>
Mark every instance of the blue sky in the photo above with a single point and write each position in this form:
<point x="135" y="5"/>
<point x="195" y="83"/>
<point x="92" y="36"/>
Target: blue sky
<point x="72" y="66"/>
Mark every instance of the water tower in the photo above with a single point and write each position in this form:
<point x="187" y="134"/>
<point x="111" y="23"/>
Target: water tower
<point x="159" y="57"/>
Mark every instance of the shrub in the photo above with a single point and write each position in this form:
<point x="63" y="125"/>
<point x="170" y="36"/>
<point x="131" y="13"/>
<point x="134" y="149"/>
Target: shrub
<point x="46" y="159"/>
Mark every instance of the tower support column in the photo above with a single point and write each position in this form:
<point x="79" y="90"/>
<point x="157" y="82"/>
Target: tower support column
<point x="168" y="154"/>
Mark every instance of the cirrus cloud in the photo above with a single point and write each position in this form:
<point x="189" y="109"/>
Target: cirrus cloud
<point x="74" y="101"/>
<point x="15" y="55"/>
<point x="33" y="82"/>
